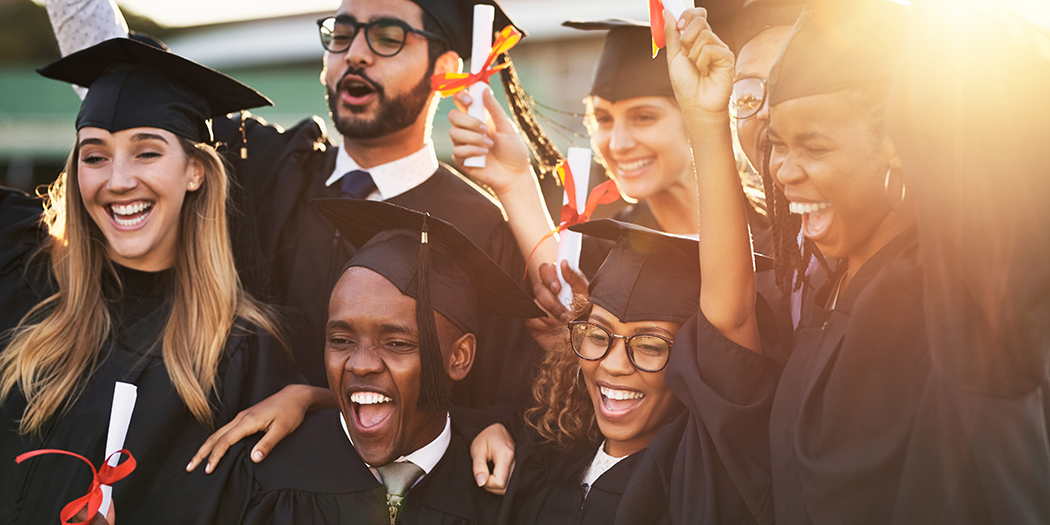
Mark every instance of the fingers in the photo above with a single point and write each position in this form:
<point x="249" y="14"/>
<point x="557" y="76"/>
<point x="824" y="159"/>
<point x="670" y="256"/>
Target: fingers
<point x="549" y="275"/>
<point x="503" y="467"/>
<point x="575" y="278"/>
<point x="548" y="300"/>
<point x="499" y="117"/>
<point x="273" y="436"/>
<point x="205" y="450"/>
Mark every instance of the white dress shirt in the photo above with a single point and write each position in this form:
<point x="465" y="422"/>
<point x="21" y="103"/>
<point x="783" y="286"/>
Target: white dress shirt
<point x="393" y="178"/>
<point x="425" y="458"/>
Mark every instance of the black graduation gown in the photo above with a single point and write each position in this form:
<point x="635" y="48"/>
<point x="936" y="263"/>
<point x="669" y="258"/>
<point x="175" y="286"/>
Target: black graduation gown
<point x="163" y="434"/>
<point x="546" y="487"/>
<point x="315" y="476"/>
<point x="867" y="425"/>
<point x="304" y="254"/>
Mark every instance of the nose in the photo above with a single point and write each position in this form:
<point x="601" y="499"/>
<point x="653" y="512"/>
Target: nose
<point x="359" y="54"/>
<point x="363" y="361"/>
<point x="785" y="169"/>
<point x="124" y="175"/>
<point x="616" y="362"/>
<point x="621" y="140"/>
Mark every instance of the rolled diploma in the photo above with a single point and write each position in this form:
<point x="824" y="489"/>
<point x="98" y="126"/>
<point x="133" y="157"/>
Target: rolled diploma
<point x="675" y="7"/>
<point x="570" y="242"/>
<point x="479" y="51"/>
<point x="124" y="396"/>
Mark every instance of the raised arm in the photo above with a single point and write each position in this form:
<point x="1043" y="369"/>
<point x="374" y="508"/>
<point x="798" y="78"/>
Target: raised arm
<point x="508" y="172"/>
<point x="701" y="69"/>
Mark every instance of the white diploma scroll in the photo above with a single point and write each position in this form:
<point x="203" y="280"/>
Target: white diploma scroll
<point x="675" y="7"/>
<point x="481" y="46"/>
<point x="124" y="396"/>
<point x="570" y="242"/>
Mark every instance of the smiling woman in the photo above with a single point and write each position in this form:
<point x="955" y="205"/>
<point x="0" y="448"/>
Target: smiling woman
<point x="129" y="277"/>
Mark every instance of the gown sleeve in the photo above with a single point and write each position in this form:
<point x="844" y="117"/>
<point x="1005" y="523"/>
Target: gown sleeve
<point x="257" y="368"/>
<point x="24" y="280"/>
<point x="978" y="186"/>
<point x="714" y="462"/>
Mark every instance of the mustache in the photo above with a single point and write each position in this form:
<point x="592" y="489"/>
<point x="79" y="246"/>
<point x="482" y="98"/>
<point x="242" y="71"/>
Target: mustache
<point x="360" y="73"/>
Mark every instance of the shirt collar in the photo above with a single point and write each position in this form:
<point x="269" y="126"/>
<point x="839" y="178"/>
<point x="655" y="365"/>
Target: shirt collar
<point x="393" y="178"/>
<point x="426" y="457"/>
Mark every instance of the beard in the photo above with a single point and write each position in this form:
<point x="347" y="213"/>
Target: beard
<point x="391" y="114"/>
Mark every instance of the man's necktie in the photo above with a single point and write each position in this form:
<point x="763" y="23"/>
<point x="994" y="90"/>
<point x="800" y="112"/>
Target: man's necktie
<point x="398" y="478"/>
<point x="357" y="184"/>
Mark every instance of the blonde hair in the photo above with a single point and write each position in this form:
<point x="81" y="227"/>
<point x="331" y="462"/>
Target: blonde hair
<point x="56" y="346"/>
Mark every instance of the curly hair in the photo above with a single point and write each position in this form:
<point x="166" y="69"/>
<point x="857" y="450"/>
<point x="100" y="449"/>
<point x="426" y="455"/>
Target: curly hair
<point x="564" y="414"/>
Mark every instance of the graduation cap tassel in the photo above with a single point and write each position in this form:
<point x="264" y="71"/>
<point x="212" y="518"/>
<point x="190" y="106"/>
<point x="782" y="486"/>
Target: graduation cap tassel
<point x="435" y="393"/>
<point x="521" y="104"/>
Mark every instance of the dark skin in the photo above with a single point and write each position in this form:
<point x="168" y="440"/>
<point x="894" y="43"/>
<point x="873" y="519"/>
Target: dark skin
<point x="372" y="350"/>
<point x="283" y="412"/>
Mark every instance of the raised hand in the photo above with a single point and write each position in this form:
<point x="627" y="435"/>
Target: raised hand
<point x="507" y="157"/>
<point x="700" y="64"/>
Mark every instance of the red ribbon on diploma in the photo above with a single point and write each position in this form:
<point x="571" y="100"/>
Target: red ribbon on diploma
<point x="604" y="193"/>
<point x="656" y="25"/>
<point x="450" y="83"/>
<point x="103" y="476"/>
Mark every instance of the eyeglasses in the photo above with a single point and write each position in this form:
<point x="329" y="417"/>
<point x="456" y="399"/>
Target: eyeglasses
<point x="748" y="96"/>
<point x="647" y="352"/>
<point x="385" y="38"/>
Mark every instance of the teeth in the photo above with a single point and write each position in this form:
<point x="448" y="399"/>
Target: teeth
<point x="369" y="398"/>
<point x="620" y="394"/>
<point x="130" y="209"/>
<point x="803" y="207"/>
<point x="636" y="165"/>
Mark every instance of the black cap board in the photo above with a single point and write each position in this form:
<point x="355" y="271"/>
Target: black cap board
<point x="132" y="85"/>
<point x="648" y="275"/>
<point x="758" y="15"/>
<point x="626" y="67"/>
<point x="456" y="20"/>
<point x="837" y="45"/>
<point x="433" y="262"/>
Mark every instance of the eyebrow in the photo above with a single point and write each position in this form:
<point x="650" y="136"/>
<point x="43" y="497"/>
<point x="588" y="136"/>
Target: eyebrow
<point x="142" y="137"/>
<point x="811" y="135"/>
<point x="351" y="19"/>
<point x="393" y="328"/>
<point x="92" y="141"/>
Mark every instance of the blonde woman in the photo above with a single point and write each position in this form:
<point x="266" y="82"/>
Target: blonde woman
<point x="128" y="276"/>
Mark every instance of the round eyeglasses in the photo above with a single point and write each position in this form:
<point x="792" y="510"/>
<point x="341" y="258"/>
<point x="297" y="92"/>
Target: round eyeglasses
<point x="385" y="38"/>
<point x="747" y="98"/>
<point x="647" y="352"/>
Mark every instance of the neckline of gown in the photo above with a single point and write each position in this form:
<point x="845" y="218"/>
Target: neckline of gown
<point x="140" y="312"/>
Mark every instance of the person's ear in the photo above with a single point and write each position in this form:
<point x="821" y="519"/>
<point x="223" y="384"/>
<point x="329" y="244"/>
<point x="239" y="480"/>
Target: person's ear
<point x="448" y="62"/>
<point x="195" y="172"/>
<point x="461" y="359"/>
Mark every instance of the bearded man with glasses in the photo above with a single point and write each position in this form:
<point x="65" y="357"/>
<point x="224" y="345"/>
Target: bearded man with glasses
<point x="378" y="61"/>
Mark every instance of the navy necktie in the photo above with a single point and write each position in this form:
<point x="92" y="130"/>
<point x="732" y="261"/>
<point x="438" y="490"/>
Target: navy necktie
<point x="357" y="184"/>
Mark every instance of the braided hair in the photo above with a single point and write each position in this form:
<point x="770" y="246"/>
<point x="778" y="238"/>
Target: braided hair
<point x="789" y="259"/>
<point x="522" y="105"/>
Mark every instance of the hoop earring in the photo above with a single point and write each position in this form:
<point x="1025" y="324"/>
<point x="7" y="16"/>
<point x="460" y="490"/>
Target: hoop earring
<point x="886" y="190"/>
<point x="577" y="381"/>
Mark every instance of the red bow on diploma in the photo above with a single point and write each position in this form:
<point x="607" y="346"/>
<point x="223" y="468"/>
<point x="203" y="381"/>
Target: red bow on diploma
<point x="450" y="83"/>
<point x="103" y="476"/>
<point x="603" y="193"/>
<point x="656" y="25"/>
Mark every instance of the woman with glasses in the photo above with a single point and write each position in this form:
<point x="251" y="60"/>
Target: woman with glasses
<point x="125" y="273"/>
<point x="600" y="396"/>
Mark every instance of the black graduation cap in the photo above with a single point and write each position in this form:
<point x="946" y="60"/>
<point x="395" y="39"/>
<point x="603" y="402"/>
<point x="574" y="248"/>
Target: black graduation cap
<point x="758" y="15"/>
<point x="132" y="84"/>
<point x="836" y="45"/>
<point x="432" y="261"/>
<point x="648" y="275"/>
<point x="456" y="20"/>
<point x="626" y="67"/>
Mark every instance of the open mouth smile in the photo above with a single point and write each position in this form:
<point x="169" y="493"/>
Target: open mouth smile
<point x="131" y="214"/>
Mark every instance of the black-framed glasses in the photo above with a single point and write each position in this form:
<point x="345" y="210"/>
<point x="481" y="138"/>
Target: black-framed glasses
<point x="385" y="37"/>
<point x="647" y="352"/>
<point x="748" y="96"/>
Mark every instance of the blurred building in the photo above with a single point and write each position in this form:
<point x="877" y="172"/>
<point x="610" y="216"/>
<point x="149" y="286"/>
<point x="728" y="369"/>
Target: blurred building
<point x="282" y="58"/>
